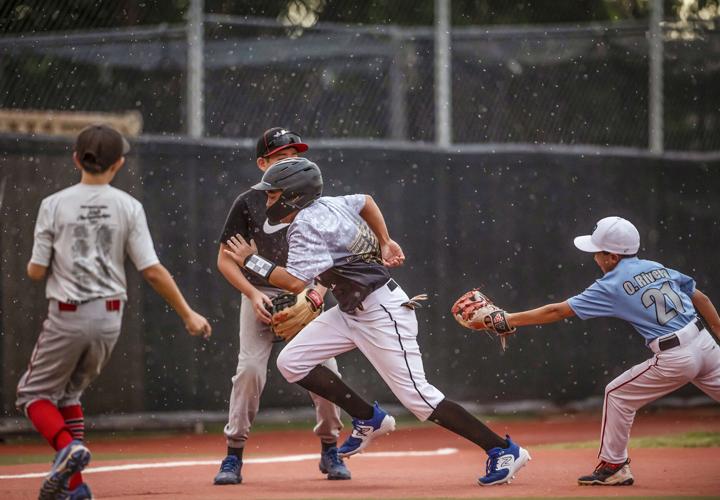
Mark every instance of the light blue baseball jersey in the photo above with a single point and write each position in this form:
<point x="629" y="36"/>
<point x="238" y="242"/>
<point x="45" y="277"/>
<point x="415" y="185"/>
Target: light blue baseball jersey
<point x="653" y="299"/>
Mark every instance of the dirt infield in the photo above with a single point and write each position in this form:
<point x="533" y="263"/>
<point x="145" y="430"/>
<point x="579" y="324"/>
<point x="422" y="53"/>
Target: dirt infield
<point x="387" y="471"/>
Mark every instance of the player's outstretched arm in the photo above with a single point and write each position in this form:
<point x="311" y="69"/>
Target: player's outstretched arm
<point x="549" y="313"/>
<point x="164" y="284"/>
<point x="392" y="253"/>
<point x="705" y="307"/>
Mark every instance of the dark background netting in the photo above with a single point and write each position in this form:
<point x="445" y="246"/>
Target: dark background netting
<point x="501" y="221"/>
<point x="525" y="73"/>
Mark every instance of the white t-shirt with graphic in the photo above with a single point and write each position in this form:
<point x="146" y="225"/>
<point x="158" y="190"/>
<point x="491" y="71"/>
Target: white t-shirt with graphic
<point x="84" y="233"/>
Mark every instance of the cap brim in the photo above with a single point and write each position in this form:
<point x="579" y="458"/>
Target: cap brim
<point x="262" y="186"/>
<point x="585" y="244"/>
<point x="300" y="147"/>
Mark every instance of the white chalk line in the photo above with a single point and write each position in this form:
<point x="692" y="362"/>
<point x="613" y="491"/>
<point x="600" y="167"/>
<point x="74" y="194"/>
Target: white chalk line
<point x="266" y="460"/>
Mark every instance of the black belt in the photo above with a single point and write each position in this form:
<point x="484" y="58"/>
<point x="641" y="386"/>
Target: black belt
<point x="391" y="284"/>
<point x="673" y="340"/>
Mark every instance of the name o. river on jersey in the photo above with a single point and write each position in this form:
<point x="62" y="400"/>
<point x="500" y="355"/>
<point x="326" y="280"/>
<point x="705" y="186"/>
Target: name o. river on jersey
<point x="644" y="279"/>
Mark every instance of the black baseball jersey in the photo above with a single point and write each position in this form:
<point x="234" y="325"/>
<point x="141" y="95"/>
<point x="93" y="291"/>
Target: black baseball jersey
<point x="247" y="218"/>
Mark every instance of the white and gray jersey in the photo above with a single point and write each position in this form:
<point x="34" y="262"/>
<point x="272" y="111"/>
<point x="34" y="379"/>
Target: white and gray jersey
<point x="83" y="233"/>
<point x="331" y="242"/>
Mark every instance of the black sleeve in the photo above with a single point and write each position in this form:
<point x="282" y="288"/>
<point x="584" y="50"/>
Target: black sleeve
<point x="237" y="220"/>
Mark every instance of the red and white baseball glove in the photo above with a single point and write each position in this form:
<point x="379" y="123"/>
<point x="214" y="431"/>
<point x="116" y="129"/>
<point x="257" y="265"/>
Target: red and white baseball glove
<point x="476" y="311"/>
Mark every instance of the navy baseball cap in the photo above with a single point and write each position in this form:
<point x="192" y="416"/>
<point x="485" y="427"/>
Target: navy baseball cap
<point x="277" y="139"/>
<point x="100" y="146"/>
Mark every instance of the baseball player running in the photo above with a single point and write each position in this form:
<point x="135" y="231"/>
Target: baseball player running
<point x="247" y="217"/>
<point x="343" y="242"/>
<point x="662" y="305"/>
<point x="82" y="236"/>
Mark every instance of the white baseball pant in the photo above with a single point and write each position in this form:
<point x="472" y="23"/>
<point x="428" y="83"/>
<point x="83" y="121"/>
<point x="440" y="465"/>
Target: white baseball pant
<point x="696" y="360"/>
<point x="385" y="331"/>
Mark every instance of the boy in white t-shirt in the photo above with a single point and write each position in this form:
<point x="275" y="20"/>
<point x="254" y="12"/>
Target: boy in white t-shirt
<point x="82" y="237"/>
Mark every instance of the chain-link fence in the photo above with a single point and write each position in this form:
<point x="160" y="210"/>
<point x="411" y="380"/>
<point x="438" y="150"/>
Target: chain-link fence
<point x="521" y="84"/>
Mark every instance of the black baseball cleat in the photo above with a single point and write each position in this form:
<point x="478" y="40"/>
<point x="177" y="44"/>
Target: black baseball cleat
<point x="229" y="471"/>
<point x="607" y="474"/>
<point x="332" y="465"/>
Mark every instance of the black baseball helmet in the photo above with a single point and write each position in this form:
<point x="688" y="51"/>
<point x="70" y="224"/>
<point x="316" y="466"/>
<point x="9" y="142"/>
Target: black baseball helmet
<point x="300" y="181"/>
<point x="276" y="139"/>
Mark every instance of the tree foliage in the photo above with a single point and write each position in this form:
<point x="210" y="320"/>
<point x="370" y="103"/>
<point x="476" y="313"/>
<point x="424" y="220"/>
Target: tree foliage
<point x="24" y="16"/>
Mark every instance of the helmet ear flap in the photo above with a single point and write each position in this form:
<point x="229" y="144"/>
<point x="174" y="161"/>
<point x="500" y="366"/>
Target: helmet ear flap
<point x="300" y="181"/>
<point x="278" y="211"/>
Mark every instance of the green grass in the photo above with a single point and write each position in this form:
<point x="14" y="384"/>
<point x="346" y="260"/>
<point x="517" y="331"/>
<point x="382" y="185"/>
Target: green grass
<point x="686" y="440"/>
<point x="209" y="429"/>
<point x="403" y="420"/>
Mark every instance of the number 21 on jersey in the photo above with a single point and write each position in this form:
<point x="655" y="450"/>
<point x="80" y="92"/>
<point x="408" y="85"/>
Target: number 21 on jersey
<point x="666" y="301"/>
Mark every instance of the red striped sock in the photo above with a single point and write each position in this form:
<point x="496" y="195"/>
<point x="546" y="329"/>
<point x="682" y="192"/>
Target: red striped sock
<point x="75" y="422"/>
<point x="50" y="423"/>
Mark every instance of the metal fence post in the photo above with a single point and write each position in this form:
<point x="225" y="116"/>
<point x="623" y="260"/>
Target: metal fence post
<point x="443" y="90"/>
<point x="655" y="112"/>
<point x="195" y="70"/>
<point x="398" y="98"/>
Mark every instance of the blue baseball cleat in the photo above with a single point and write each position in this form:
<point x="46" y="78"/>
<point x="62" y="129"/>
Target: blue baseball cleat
<point x="332" y="465"/>
<point x="229" y="471"/>
<point x="365" y="430"/>
<point x="82" y="492"/>
<point x="503" y="464"/>
<point x="71" y="459"/>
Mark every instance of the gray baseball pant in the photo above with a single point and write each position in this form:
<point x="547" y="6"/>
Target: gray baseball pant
<point x="70" y="352"/>
<point x="256" y="341"/>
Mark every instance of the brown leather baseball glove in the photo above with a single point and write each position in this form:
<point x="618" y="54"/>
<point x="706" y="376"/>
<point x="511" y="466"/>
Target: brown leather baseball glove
<point x="291" y="313"/>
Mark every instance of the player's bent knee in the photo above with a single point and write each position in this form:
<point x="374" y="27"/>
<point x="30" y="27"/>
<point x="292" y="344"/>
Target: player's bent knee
<point x="610" y="397"/>
<point x="423" y="406"/>
<point x="422" y="413"/>
<point x="613" y="386"/>
<point x="615" y="398"/>
<point x="250" y="371"/>
<point x="289" y="366"/>
<point x="331" y="364"/>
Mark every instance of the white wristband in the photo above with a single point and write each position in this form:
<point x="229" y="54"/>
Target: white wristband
<point x="259" y="265"/>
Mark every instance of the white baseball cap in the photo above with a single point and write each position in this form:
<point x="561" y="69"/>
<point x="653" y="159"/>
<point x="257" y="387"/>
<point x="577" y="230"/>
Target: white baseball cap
<point x="611" y="234"/>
